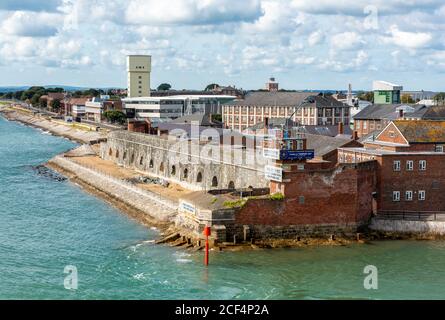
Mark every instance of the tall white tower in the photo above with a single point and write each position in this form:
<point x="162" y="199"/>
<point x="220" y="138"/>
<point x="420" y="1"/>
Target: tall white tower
<point x="139" y="70"/>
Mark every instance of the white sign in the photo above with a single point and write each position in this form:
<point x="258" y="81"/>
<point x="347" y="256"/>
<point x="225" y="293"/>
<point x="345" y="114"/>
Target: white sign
<point x="187" y="207"/>
<point x="273" y="173"/>
<point x="271" y="154"/>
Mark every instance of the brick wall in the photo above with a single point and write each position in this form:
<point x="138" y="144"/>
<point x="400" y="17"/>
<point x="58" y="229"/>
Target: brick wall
<point x="340" y="196"/>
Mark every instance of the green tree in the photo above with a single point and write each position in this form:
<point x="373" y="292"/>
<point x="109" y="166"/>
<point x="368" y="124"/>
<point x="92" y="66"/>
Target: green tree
<point x="56" y="105"/>
<point x="367" y="96"/>
<point x="211" y="87"/>
<point x="115" y="116"/>
<point x="164" y="87"/>
<point x="439" y="98"/>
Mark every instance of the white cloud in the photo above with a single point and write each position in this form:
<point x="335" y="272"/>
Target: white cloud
<point x="346" y="41"/>
<point x="357" y="7"/>
<point x="191" y="12"/>
<point x="315" y="38"/>
<point x="409" y="40"/>
<point x="27" y="24"/>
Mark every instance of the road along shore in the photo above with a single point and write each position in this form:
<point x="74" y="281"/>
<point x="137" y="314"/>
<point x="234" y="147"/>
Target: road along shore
<point x="75" y="132"/>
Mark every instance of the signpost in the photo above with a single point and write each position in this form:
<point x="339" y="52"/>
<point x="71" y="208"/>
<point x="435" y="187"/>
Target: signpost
<point x="207" y="233"/>
<point x="297" y="154"/>
<point x="273" y="173"/>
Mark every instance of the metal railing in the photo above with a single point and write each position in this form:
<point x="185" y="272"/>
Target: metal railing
<point x="411" y="215"/>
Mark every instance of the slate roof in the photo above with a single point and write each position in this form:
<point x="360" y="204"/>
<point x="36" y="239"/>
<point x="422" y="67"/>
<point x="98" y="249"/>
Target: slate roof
<point x="272" y="99"/>
<point x="202" y="119"/>
<point x="429" y="113"/>
<point x="422" y="131"/>
<point x="386" y="111"/>
<point x="324" y="145"/>
<point x="277" y="123"/>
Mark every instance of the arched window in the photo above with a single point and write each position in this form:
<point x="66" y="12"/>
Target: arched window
<point x="125" y="155"/>
<point x="110" y="152"/>
<point x="186" y="173"/>
<point x="199" y="177"/>
<point x="231" y="185"/>
<point x="132" y="159"/>
<point x="173" y="171"/>
<point x="214" y="182"/>
<point x="161" y="167"/>
<point x="117" y="154"/>
<point x="151" y="164"/>
<point x="141" y="161"/>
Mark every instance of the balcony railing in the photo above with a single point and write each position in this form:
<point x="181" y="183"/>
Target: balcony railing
<point x="412" y="215"/>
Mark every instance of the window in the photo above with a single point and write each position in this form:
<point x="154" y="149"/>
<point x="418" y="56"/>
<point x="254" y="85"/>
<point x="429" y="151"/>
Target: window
<point x="397" y="165"/>
<point x="409" y="196"/>
<point x="357" y="126"/>
<point x="422" y="195"/>
<point x="409" y="165"/>
<point x="396" y="196"/>
<point x="365" y="125"/>
<point x="439" y="148"/>
<point x="422" y="165"/>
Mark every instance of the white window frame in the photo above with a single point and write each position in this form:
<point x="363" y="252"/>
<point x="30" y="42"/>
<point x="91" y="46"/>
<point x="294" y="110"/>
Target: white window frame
<point x="422" y="165"/>
<point x="422" y="195"/>
<point x="409" y="195"/>
<point x="439" y="148"/>
<point x="409" y="165"/>
<point x="397" y="165"/>
<point x="396" y="196"/>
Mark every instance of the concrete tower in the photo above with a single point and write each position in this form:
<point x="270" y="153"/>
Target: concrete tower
<point x="139" y="69"/>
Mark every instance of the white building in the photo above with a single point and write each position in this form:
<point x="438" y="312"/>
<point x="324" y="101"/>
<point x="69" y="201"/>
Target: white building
<point x="173" y="107"/>
<point x="94" y="108"/>
<point x="139" y="70"/>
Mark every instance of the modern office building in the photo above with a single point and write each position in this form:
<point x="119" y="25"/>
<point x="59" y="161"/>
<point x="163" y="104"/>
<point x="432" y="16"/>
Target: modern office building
<point x="172" y="107"/>
<point x="139" y="70"/>
<point x="386" y="92"/>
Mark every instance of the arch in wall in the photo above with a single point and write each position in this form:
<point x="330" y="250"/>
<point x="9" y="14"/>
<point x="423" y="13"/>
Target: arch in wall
<point x="141" y="161"/>
<point x="151" y="164"/>
<point x="214" y="182"/>
<point x="117" y="154"/>
<point x="232" y="185"/>
<point x="185" y="174"/>
<point x="199" y="177"/>
<point x="173" y="171"/>
<point x="161" y="167"/>
<point x="132" y="158"/>
<point x="125" y="155"/>
<point x="110" y="152"/>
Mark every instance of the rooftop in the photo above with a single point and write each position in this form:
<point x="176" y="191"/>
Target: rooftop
<point x="386" y="86"/>
<point x="390" y="111"/>
<point x="422" y="131"/>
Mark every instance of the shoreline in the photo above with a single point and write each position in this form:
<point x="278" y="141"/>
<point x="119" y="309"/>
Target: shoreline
<point x="57" y="128"/>
<point x="173" y="236"/>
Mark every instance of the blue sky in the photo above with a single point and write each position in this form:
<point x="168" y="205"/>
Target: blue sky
<point x="305" y="44"/>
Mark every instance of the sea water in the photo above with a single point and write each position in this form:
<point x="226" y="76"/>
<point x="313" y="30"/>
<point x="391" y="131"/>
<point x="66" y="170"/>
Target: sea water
<point x="47" y="225"/>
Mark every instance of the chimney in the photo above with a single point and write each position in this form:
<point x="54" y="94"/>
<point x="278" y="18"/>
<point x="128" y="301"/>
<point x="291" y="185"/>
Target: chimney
<point x="341" y="128"/>
<point x="355" y="135"/>
<point x="401" y="113"/>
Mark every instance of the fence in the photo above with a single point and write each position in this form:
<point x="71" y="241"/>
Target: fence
<point x="412" y="215"/>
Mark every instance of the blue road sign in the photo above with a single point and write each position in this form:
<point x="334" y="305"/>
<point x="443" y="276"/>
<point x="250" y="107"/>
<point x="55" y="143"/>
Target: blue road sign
<point x="297" y="155"/>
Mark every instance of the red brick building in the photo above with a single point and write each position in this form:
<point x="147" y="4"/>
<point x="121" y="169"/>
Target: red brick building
<point x="410" y="165"/>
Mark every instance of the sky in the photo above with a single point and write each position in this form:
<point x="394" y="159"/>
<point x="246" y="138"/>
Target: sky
<point x="304" y="44"/>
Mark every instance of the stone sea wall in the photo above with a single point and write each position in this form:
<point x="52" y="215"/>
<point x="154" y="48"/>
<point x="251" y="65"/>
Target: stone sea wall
<point x="408" y="227"/>
<point x="148" y="202"/>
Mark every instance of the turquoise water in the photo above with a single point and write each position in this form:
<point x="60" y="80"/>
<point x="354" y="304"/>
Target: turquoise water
<point x="46" y="225"/>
